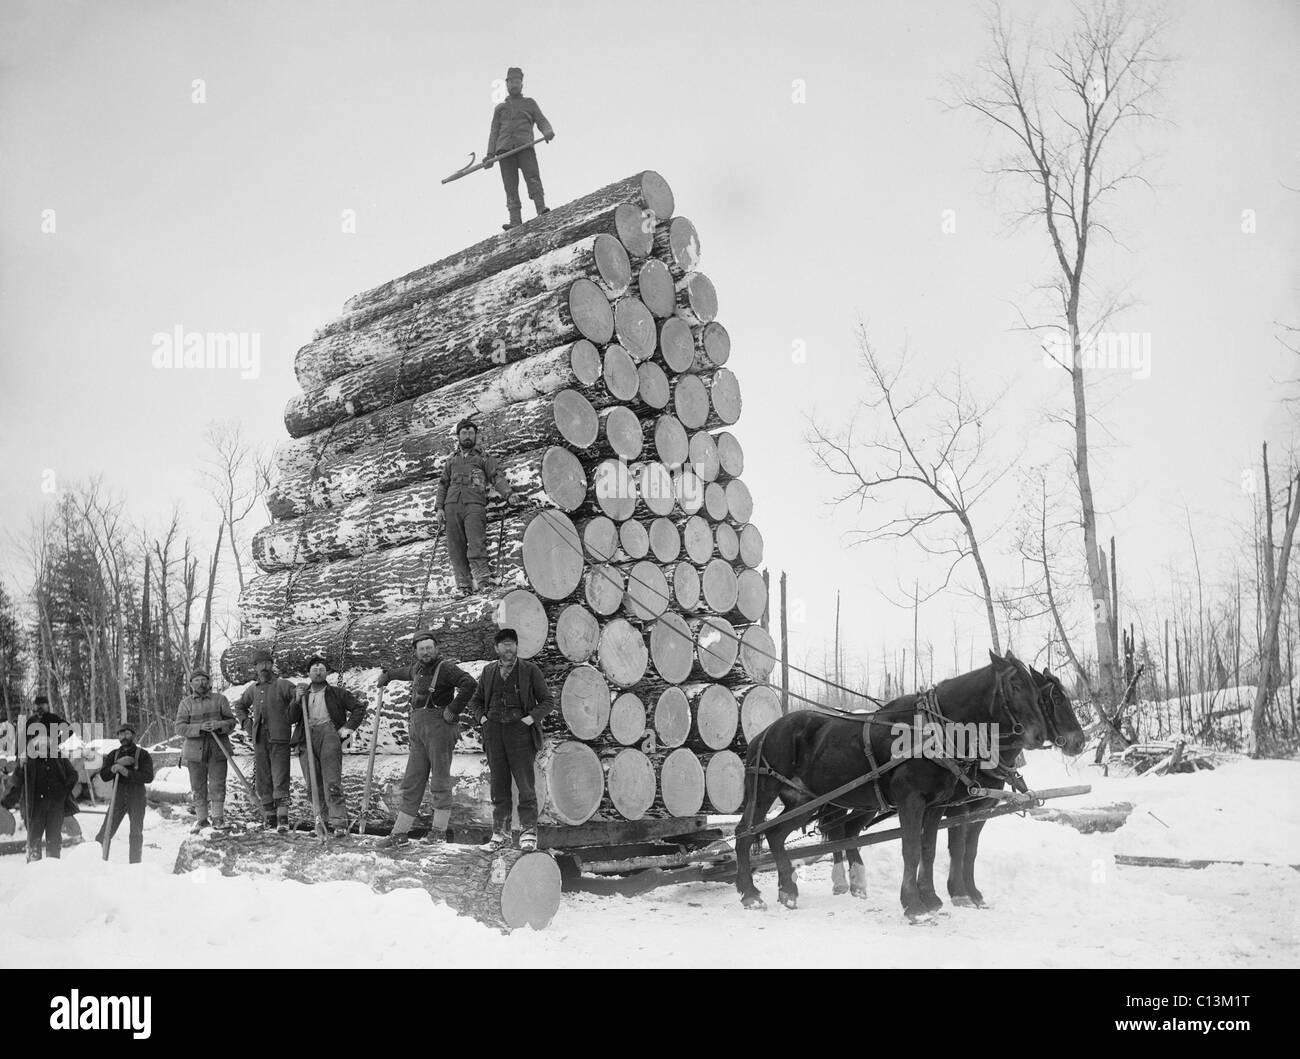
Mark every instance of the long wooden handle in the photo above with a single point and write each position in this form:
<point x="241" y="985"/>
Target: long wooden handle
<point x="472" y="167"/>
<point x="108" y="820"/>
<point x="248" y="787"/>
<point x="370" y="763"/>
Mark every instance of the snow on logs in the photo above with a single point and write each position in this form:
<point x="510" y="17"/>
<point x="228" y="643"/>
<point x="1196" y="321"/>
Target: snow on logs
<point x="502" y="888"/>
<point x="586" y="345"/>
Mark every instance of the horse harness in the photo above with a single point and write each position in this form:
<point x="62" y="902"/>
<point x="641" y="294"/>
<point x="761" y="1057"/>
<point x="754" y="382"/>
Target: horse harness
<point x="928" y="705"/>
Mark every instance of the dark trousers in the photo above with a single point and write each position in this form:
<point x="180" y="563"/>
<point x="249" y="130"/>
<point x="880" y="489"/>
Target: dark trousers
<point x="271" y="774"/>
<point x="510" y="753"/>
<point x="525" y="162"/>
<point x="467" y="542"/>
<point x="130" y="802"/>
<point x="46" y="823"/>
<point x="433" y="741"/>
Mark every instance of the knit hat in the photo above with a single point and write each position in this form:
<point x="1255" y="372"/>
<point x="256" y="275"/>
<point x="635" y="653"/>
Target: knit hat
<point x="506" y="634"/>
<point x="466" y="423"/>
<point x="514" y="71"/>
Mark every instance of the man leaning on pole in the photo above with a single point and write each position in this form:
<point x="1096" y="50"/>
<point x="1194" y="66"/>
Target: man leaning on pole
<point x="263" y="712"/>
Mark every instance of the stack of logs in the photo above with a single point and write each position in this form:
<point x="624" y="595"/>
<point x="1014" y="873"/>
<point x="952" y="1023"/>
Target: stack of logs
<point x="585" y="344"/>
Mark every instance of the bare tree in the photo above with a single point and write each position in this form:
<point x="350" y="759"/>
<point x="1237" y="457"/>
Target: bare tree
<point x="931" y="449"/>
<point x="1063" y="107"/>
<point x="236" y="476"/>
<point x="1276" y="595"/>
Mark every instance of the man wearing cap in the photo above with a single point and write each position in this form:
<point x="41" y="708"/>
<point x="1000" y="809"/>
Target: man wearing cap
<point x="202" y="718"/>
<point x="43" y="721"/>
<point x="132" y="767"/>
<point x="440" y="691"/>
<point x="513" y="695"/>
<point x="462" y="507"/>
<point x="43" y="784"/>
<point x="333" y="714"/>
<point x="263" y="712"/>
<point x="512" y="126"/>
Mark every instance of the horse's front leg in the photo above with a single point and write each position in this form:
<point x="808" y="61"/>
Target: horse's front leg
<point x="911" y="821"/>
<point x="957" y="861"/>
<point x="972" y="891"/>
<point x="857" y="870"/>
<point x="929" y="839"/>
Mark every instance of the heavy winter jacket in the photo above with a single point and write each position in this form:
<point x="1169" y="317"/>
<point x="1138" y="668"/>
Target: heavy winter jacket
<point x="512" y="124"/>
<point x="425" y="694"/>
<point x="342" y="706"/>
<point x="193" y="711"/>
<point x="465" y="478"/>
<point x="137" y="775"/>
<point x="534" y="695"/>
<point x="268" y="706"/>
<point x="44" y="781"/>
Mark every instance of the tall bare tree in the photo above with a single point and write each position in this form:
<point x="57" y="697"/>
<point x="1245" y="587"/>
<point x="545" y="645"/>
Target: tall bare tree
<point x="1064" y="106"/>
<point x="931" y="448"/>
<point x="236" y="476"/>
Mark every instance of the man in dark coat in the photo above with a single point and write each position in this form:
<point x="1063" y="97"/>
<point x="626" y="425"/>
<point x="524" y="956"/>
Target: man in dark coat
<point x="332" y="715"/>
<point x="43" y="721"/>
<point x="462" y="507"/>
<point x="43" y="786"/>
<point x="512" y="126"/>
<point x="434" y="726"/>
<point x="132" y="768"/>
<point x="263" y="712"/>
<point x="513" y="695"/>
<point x="203" y="718"/>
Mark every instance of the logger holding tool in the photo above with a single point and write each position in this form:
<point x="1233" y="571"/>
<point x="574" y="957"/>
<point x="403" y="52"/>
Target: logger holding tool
<point x="511" y="143"/>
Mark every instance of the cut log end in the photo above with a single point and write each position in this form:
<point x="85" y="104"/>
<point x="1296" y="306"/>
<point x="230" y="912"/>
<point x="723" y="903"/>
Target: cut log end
<point x="731" y="456"/>
<point x="575" y="418"/>
<point x="656" y="289"/>
<point x="657" y="195"/>
<point x="585" y="702"/>
<point x="635" y="327"/>
<point x="522" y="611"/>
<point x="577" y="632"/>
<point x="672" y="717"/>
<point x="612" y="264"/>
<point x="670" y="441"/>
<point x="677" y="344"/>
<point x="690" y="401"/>
<point x="681" y="783"/>
<point x="631" y="224"/>
<point x="530" y="896"/>
<point x="590" y="311"/>
<point x="618" y="370"/>
<point x="627" y="719"/>
<point x="623" y="432"/>
<point x="672" y="648"/>
<point x="760" y="705"/>
<point x="622" y="653"/>
<point x="570" y="782"/>
<point x="724" y="781"/>
<point x="653" y="389"/>
<point x="553" y="559"/>
<point x="647" y="594"/>
<point x="724" y="393"/>
<point x="631" y="783"/>
<point x="563" y="479"/>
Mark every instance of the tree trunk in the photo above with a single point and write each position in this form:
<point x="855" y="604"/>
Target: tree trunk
<point x="600" y="259"/>
<point x="575" y="365"/>
<point x="551" y="319"/>
<point x="677" y="244"/>
<point x="589" y="215"/>
<point x="562" y="418"/>
<point x="385" y="520"/>
<point x="1267" y="680"/>
<point x="501" y="888"/>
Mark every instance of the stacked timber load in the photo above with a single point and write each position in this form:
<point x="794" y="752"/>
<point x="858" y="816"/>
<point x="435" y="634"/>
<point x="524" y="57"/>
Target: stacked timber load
<point x="587" y="347"/>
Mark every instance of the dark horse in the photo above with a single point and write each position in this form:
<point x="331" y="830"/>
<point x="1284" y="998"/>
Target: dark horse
<point x="963" y="839"/>
<point x="805" y="754"/>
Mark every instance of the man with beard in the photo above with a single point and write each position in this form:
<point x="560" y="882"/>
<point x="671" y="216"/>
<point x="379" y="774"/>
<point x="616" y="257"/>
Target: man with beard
<point x="43" y="785"/>
<point x="462" y="507"/>
<point x="433" y="727"/>
<point x="327" y="714"/>
<point x="132" y="767"/>
<point x="263" y="712"/>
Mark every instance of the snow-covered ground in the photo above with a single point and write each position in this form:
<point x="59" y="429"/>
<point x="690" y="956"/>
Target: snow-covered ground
<point x="1057" y="899"/>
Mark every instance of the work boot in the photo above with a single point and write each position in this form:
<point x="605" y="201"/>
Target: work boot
<point x="203" y="822"/>
<point x="282" y="824"/>
<point x="528" y="839"/>
<point x="397" y="838"/>
<point x="486" y="584"/>
<point x="499" y="840"/>
<point x="516" y="219"/>
<point x="219" y="823"/>
<point x="542" y="208"/>
<point x="268" y="820"/>
<point x="438" y="831"/>
<point x="465" y="591"/>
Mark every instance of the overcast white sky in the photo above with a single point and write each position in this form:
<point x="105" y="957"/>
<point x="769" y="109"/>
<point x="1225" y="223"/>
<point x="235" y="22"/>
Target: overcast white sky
<point x="225" y="216"/>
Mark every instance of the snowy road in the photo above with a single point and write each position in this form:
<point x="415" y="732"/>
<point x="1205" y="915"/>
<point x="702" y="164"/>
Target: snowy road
<point x="1057" y="900"/>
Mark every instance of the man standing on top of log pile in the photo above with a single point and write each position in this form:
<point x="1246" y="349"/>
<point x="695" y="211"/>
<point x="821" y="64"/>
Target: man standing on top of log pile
<point x="512" y="126"/>
<point x="135" y="767"/>
<point x="203" y="718"/>
<point x="333" y="714"/>
<point x="433" y="728"/>
<point x="266" y="702"/>
<point x="462" y="508"/>
<point x="514" y="696"/>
